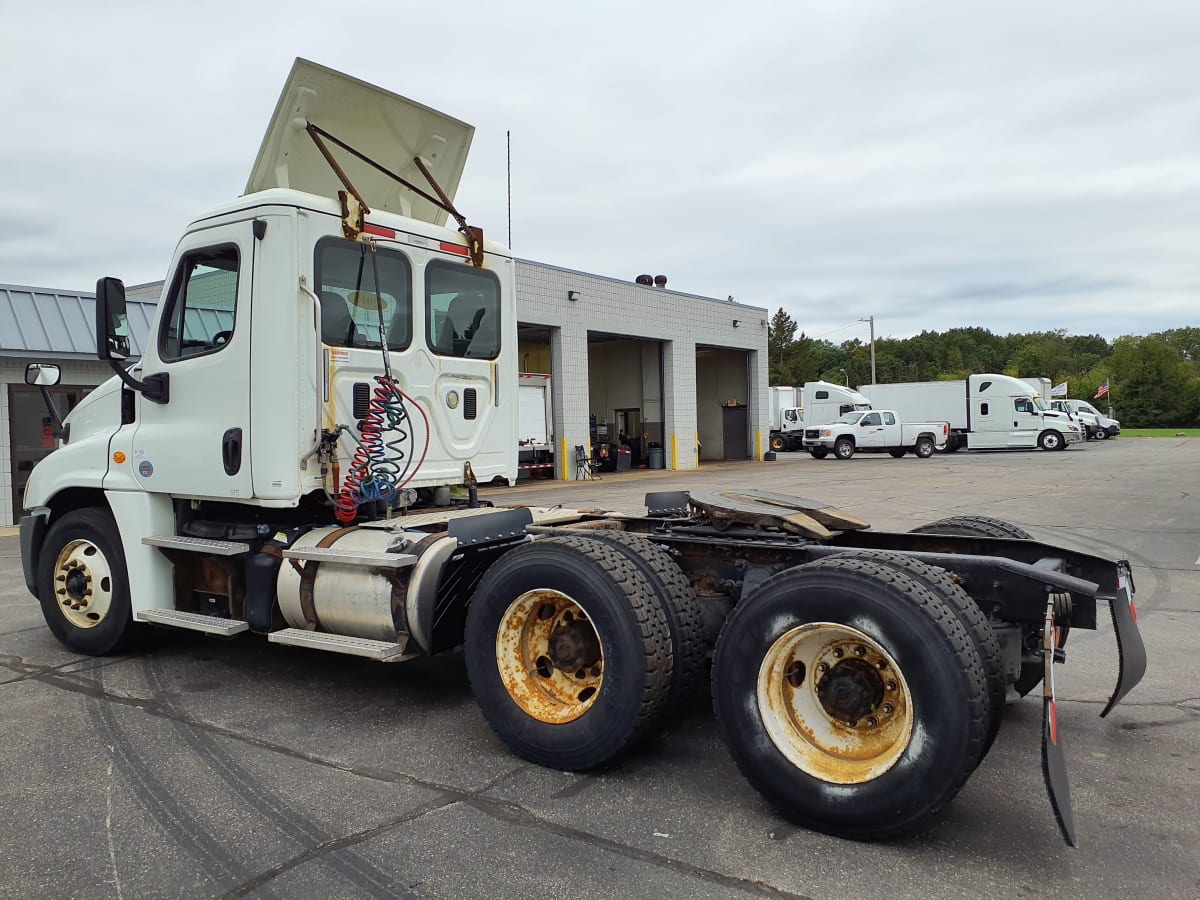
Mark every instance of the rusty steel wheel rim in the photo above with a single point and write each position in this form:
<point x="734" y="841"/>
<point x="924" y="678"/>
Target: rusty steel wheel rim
<point x="835" y="703"/>
<point x="550" y="657"/>
<point x="82" y="584"/>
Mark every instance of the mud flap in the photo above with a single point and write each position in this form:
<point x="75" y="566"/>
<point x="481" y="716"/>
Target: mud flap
<point x="1054" y="762"/>
<point x="1131" y="650"/>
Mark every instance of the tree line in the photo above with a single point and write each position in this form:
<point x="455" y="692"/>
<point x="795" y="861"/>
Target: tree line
<point x="1154" y="380"/>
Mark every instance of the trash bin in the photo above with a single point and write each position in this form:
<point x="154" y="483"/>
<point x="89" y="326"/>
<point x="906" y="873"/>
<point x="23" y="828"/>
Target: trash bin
<point x="624" y="460"/>
<point x="657" y="461"/>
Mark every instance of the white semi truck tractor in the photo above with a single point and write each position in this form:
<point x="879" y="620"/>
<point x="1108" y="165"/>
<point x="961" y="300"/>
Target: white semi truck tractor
<point x="330" y="366"/>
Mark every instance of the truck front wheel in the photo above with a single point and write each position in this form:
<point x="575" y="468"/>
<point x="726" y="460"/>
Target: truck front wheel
<point x="898" y="453"/>
<point x="844" y="448"/>
<point x="778" y="443"/>
<point x="818" y="452"/>
<point x="923" y="448"/>
<point x="1051" y="440"/>
<point x="83" y="586"/>
<point x="851" y="697"/>
<point x="568" y="652"/>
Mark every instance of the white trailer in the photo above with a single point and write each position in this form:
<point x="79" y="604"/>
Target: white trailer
<point x="985" y="412"/>
<point x="1041" y="386"/>
<point x="535" y="426"/>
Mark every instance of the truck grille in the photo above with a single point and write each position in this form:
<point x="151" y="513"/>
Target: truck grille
<point x="812" y="432"/>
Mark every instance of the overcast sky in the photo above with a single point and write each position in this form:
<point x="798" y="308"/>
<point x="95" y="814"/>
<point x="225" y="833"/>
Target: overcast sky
<point x="1016" y="166"/>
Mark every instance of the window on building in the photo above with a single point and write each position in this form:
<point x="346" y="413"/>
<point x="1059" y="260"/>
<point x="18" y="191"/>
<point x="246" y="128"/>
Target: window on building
<point x="202" y="306"/>
<point x="352" y="300"/>
<point x="462" y="310"/>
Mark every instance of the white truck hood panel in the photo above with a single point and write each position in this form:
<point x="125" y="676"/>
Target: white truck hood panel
<point x="383" y="126"/>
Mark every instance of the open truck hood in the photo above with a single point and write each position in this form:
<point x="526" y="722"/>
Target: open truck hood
<point x="383" y="126"/>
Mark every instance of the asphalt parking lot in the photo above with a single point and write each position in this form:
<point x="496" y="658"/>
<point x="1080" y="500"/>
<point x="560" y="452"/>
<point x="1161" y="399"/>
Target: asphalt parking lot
<point x="237" y="768"/>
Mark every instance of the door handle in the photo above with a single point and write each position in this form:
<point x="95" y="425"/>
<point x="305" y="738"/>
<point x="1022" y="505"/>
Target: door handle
<point x="231" y="451"/>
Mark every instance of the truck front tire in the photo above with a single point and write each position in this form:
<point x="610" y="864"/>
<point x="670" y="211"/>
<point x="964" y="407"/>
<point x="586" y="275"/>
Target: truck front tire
<point x="818" y="452"/>
<point x="851" y="697"/>
<point x="568" y="652"/>
<point x="83" y="585"/>
<point x="843" y="448"/>
<point x="778" y="443"/>
<point x="1051" y="440"/>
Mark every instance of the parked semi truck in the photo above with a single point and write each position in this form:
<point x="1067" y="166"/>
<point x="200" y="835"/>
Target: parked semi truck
<point x="985" y="412"/>
<point x="786" y="418"/>
<point x="328" y="362"/>
<point x="875" y="431"/>
<point x="1095" y="423"/>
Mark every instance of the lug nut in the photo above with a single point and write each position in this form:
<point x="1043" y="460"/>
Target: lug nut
<point x="887" y="708"/>
<point x="822" y="667"/>
<point x="860" y="651"/>
<point x="881" y="665"/>
<point x="872" y="721"/>
<point x="838" y="653"/>
<point x="891" y="685"/>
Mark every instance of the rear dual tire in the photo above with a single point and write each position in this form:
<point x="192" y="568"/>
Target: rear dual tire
<point x="576" y="647"/>
<point x="876" y="742"/>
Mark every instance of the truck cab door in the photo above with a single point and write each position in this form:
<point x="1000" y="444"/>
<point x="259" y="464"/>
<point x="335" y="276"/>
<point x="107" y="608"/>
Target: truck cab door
<point x="197" y="444"/>
<point x="891" y="433"/>
<point x="870" y="430"/>
<point x="1026" y="423"/>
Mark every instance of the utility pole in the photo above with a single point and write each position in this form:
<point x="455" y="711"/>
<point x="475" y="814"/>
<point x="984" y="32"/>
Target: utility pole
<point x="871" y="319"/>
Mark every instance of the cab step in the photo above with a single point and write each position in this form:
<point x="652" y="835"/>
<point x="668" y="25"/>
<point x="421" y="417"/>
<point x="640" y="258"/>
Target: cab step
<point x="352" y="557"/>
<point x="193" y="621"/>
<point x="197" y="545"/>
<point x="381" y="651"/>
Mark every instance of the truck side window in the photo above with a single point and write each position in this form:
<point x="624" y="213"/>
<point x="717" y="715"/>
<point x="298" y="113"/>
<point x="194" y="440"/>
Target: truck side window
<point x="351" y="300"/>
<point x="889" y="418"/>
<point x="1023" y="405"/>
<point x="983" y="409"/>
<point x="821" y="395"/>
<point x="790" y="415"/>
<point x="462" y="311"/>
<point x="871" y="419"/>
<point x="202" y="306"/>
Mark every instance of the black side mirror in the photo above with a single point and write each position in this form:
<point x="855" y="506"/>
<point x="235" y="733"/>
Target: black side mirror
<point x="112" y="323"/>
<point x="42" y="374"/>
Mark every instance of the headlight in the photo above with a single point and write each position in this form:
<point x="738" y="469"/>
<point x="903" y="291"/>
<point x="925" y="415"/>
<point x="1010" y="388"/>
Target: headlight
<point x="826" y="433"/>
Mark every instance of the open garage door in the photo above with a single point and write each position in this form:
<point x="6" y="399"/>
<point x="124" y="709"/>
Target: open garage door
<point x="722" y="403"/>
<point x="625" y="399"/>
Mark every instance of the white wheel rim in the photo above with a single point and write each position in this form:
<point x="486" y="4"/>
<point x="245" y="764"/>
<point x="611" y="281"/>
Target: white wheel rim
<point x="83" y="584"/>
<point x="536" y="630"/>
<point x="812" y="671"/>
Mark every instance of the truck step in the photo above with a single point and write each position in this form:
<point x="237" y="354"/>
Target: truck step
<point x="352" y="557"/>
<point x="381" y="651"/>
<point x="193" y="621"/>
<point x="197" y="545"/>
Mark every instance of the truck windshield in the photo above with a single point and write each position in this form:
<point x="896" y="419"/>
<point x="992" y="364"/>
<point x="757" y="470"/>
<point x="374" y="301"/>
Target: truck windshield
<point x="861" y="407"/>
<point x="849" y="418"/>
<point x="1040" y="404"/>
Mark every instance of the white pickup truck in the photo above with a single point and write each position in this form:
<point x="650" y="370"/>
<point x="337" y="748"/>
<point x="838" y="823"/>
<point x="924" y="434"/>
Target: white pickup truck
<point x="875" y="430"/>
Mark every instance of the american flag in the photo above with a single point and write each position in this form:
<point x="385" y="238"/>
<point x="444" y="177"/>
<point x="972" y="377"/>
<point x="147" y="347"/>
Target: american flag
<point x="1103" y="392"/>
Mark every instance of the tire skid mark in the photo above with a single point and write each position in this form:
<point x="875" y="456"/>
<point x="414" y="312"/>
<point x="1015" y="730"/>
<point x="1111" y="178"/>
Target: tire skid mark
<point x="289" y="820"/>
<point x="153" y="795"/>
<point x="448" y="794"/>
<point x="348" y="840"/>
<point x="514" y="814"/>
